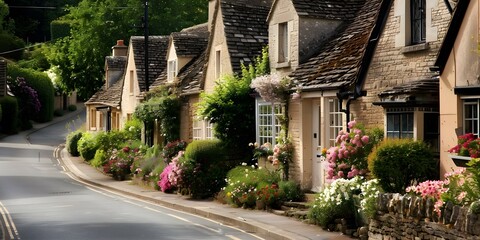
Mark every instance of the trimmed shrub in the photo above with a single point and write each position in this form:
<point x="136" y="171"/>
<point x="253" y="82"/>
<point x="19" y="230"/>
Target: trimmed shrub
<point x="111" y="140"/>
<point x="292" y="191"/>
<point x="100" y="158"/>
<point x="9" y="125"/>
<point x="72" y="107"/>
<point x="399" y="163"/>
<point x="10" y="42"/>
<point x="87" y="146"/>
<point x="42" y="84"/>
<point x="204" y="168"/>
<point x="59" y="29"/>
<point x="72" y="143"/>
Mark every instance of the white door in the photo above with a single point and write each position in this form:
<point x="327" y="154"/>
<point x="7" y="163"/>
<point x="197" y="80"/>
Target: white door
<point x="317" y="164"/>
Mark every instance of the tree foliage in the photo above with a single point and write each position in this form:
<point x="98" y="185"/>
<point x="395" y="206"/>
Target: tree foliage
<point x="95" y="27"/>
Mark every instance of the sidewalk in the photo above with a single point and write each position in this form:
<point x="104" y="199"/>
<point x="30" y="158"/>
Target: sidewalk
<point x="263" y="224"/>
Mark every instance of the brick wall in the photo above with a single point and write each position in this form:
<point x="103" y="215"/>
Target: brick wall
<point x="391" y="67"/>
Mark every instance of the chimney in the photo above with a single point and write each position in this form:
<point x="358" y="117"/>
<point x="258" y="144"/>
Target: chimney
<point x="120" y="49"/>
<point x="211" y="10"/>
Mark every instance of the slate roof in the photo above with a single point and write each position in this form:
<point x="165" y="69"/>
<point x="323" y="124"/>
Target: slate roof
<point x="191" y="76"/>
<point x="113" y="95"/>
<point x="157" y="52"/>
<point x="189" y="42"/>
<point x="116" y="63"/>
<point x="419" y="92"/>
<point x="423" y="86"/>
<point x="246" y="29"/>
<point x="339" y="61"/>
<point x="325" y="9"/>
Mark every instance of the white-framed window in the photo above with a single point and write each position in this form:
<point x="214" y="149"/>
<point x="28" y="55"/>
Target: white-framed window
<point x="172" y="70"/>
<point x="202" y="129"/>
<point x="400" y="122"/>
<point x="470" y="116"/>
<point x="418" y="21"/>
<point x="218" y="63"/>
<point x="131" y="85"/>
<point x="283" y="53"/>
<point x="335" y="120"/>
<point x="267" y="121"/>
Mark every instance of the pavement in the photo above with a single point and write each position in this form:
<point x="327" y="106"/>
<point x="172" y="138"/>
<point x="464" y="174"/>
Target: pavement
<point x="262" y="223"/>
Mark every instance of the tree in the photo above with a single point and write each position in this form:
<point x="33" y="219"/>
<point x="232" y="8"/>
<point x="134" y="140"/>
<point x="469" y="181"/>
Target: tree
<point x="95" y="27"/>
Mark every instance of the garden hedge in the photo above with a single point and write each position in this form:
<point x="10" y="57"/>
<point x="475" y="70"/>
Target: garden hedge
<point x="9" y="105"/>
<point x="205" y="168"/>
<point x="399" y="163"/>
<point x="72" y="143"/>
<point x="42" y="84"/>
<point x="59" y="29"/>
<point x="10" y="42"/>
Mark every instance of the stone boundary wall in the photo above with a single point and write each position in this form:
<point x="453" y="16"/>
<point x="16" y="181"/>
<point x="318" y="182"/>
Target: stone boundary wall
<point x="411" y="217"/>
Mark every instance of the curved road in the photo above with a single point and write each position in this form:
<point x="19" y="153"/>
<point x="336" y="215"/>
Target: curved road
<point x="39" y="201"/>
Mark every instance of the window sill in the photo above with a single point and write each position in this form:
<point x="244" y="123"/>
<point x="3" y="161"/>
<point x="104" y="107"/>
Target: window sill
<point x="283" y="64"/>
<point x="416" y="48"/>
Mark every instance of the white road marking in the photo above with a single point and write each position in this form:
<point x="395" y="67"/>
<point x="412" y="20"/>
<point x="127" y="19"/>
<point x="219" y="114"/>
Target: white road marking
<point x="9" y="224"/>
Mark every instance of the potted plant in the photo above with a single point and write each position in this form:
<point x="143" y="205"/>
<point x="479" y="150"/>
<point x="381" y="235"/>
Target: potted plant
<point x="468" y="146"/>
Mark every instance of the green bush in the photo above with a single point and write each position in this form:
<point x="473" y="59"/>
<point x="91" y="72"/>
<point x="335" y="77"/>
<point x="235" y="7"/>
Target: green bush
<point x="9" y="125"/>
<point x="204" y="168"/>
<point x="111" y="140"/>
<point x="59" y="29"/>
<point x="72" y="143"/>
<point x="133" y="128"/>
<point x="292" y="191"/>
<point x="35" y="59"/>
<point x="10" y="42"/>
<point x="100" y="158"/>
<point x="87" y="146"/>
<point x="72" y="107"/>
<point x="399" y="163"/>
<point x="42" y="84"/>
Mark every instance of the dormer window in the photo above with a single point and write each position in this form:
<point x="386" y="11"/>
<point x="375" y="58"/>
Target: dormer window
<point x="172" y="70"/>
<point x="283" y="55"/>
<point x="418" y="23"/>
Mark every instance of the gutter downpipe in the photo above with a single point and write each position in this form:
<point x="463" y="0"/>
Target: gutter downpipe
<point x="358" y="92"/>
<point x="449" y="7"/>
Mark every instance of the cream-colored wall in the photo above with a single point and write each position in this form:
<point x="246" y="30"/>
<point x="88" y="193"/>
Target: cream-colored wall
<point x="466" y="54"/>
<point x="390" y="67"/>
<point x="283" y="12"/>
<point x="461" y="70"/>
<point x="219" y="42"/>
<point x="129" y="101"/>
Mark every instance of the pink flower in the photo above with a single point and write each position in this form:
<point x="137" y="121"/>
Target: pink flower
<point x="351" y="124"/>
<point x="340" y="174"/>
<point x="461" y="196"/>
<point x="365" y="139"/>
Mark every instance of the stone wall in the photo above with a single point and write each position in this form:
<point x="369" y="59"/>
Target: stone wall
<point x="411" y="217"/>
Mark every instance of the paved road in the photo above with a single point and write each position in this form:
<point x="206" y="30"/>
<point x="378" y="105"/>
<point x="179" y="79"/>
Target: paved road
<point x="39" y="201"/>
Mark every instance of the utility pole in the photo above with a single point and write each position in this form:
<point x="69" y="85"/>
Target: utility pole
<point x="145" y="29"/>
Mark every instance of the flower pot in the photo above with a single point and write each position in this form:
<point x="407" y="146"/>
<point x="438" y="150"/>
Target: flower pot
<point x="460" y="161"/>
